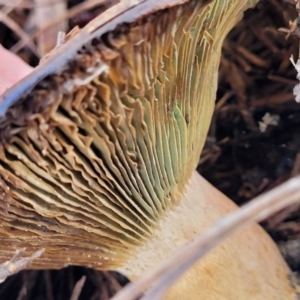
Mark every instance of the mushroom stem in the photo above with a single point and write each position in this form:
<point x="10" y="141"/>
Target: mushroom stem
<point x="218" y="275"/>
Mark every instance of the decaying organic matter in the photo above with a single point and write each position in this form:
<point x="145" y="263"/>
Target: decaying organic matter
<point x="99" y="146"/>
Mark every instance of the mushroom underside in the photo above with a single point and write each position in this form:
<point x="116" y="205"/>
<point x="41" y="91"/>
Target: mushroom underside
<point x="93" y="156"/>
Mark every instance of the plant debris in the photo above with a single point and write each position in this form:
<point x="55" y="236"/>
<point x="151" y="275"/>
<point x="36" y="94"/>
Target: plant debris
<point x="16" y="264"/>
<point x="267" y="120"/>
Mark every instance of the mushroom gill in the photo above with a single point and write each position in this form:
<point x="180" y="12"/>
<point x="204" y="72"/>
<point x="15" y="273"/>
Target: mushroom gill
<point x="93" y="156"/>
<point x="102" y="149"/>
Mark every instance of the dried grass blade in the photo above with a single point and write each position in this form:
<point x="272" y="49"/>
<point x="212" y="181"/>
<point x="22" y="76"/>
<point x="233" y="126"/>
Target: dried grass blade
<point x="14" y="265"/>
<point x="72" y="12"/>
<point x="78" y="288"/>
<point x="5" y="19"/>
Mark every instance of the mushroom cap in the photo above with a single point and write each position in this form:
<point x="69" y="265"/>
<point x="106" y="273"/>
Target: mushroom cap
<point x="100" y="140"/>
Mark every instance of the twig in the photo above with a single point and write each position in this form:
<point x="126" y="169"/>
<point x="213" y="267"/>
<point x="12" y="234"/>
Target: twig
<point x="16" y="28"/>
<point x="16" y="3"/>
<point x="48" y="285"/>
<point x="44" y="12"/>
<point x="255" y="211"/>
<point x="72" y="12"/>
<point x="78" y="288"/>
<point x="28" y="281"/>
<point x="14" y="265"/>
<point x="110" y="13"/>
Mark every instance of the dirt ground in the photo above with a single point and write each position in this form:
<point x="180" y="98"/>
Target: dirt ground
<point x="253" y="144"/>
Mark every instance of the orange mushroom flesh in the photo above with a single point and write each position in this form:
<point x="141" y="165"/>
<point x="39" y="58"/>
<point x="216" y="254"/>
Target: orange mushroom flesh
<point x="97" y="161"/>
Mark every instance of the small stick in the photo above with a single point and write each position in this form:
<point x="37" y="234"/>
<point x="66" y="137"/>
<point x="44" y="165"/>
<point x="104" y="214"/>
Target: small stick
<point x="78" y="288"/>
<point x="14" y="265"/>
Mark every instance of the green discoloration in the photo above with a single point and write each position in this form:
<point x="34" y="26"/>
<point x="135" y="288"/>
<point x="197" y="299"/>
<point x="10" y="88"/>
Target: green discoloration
<point x="105" y="155"/>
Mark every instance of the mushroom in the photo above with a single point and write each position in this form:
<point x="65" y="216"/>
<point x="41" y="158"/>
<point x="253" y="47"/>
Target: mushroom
<point x="99" y="147"/>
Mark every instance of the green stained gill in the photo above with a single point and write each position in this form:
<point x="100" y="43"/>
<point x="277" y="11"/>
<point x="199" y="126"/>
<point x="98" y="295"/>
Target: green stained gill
<point x="98" y="153"/>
